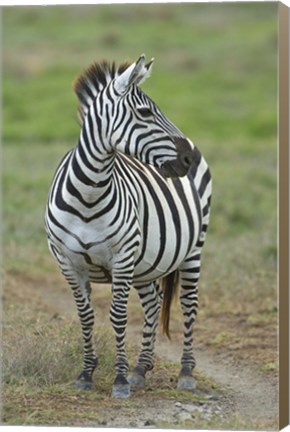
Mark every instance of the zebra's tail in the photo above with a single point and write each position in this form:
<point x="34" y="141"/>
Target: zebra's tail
<point x="169" y="285"/>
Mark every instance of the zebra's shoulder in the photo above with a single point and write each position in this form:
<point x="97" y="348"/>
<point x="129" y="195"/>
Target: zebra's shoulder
<point x="96" y="77"/>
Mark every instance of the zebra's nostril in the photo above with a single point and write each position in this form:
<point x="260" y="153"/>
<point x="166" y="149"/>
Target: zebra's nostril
<point x="187" y="159"/>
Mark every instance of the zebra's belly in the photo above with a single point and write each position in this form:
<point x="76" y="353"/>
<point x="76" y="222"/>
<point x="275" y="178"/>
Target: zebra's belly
<point x="146" y="270"/>
<point x="152" y="261"/>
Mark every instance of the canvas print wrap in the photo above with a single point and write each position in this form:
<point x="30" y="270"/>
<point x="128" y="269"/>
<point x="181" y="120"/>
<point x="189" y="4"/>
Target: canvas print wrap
<point x="202" y="114"/>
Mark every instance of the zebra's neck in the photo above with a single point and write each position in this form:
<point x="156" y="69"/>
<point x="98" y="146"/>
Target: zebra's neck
<point x="91" y="168"/>
<point x="94" y="156"/>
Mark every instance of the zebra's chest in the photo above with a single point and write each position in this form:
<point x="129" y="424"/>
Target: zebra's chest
<point x="95" y="243"/>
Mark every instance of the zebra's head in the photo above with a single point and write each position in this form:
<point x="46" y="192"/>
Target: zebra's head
<point x="142" y="130"/>
<point x="130" y="121"/>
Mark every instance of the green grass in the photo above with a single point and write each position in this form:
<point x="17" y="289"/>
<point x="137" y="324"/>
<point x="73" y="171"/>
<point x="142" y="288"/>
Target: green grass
<point x="215" y="71"/>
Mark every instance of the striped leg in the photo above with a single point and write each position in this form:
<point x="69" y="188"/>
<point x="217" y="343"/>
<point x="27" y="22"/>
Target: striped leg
<point x="81" y="291"/>
<point x="150" y="299"/>
<point x="122" y="278"/>
<point x="189" y="276"/>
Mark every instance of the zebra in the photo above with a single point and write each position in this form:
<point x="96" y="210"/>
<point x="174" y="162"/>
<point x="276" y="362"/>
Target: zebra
<point x="129" y="206"/>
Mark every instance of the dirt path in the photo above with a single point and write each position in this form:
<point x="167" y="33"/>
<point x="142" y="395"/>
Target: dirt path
<point x="242" y="392"/>
<point x="249" y="395"/>
<point x="246" y="393"/>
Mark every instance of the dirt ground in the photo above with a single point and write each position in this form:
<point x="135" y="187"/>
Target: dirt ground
<point x="242" y="391"/>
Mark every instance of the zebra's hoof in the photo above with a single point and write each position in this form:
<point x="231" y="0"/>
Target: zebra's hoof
<point x="83" y="385"/>
<point x="121" y="387"/>
<point x="121" y="391"/>
<point x="136" y="381"/>
<point x="84" y="381"/>
<point x="186" y="383"/>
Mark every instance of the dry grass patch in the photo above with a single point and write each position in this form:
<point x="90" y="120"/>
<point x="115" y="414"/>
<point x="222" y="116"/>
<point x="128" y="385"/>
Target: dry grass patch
<point x="45" y="351"/>
<point x="41" y="357"/>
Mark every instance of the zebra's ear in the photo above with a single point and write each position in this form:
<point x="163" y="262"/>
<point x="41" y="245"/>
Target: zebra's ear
<point x="134" y="74"/>
<point x="146" y="72"/>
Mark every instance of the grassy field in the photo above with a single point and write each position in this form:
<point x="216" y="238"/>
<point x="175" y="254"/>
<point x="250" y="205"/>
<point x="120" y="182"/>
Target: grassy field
<point x="215" y="76"/>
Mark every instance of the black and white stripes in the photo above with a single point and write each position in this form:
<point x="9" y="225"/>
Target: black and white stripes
<point x="129" y="206"/>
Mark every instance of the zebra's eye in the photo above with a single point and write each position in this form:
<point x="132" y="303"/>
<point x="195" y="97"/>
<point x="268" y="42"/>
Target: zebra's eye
<point x="145" y="112"/>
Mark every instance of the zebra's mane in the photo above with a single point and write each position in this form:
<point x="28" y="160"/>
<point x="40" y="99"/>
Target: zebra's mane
<point x="93" y="80"/>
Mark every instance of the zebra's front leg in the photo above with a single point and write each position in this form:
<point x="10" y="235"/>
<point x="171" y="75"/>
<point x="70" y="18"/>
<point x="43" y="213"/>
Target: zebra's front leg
<point x="150" y="299"/>
<point x="81" y="292"/>
<point x="189" y="276"/>
<point x="118" y="316"/>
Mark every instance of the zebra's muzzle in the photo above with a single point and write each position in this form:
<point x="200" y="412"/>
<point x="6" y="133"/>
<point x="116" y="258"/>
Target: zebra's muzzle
<point x="180" y="166"/>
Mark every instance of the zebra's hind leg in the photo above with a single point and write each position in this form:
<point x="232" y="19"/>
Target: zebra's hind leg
<point x="150" y="297"/>
<point x="189" y="276"/>
<point x="81" y="291"/>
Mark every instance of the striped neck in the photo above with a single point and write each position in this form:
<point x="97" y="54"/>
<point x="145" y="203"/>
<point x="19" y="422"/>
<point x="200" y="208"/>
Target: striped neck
<point x="93" y="158"/>
<point x="94" y="152"/>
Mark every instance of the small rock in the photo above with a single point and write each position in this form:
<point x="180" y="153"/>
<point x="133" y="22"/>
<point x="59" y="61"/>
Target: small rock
<point x="178" y="404"/>
<point x="192" y="408"/>
<point x="183" y="416"/>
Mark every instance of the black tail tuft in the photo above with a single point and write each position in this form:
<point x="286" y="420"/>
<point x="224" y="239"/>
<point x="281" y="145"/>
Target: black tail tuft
<point x="169" y="285"/>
